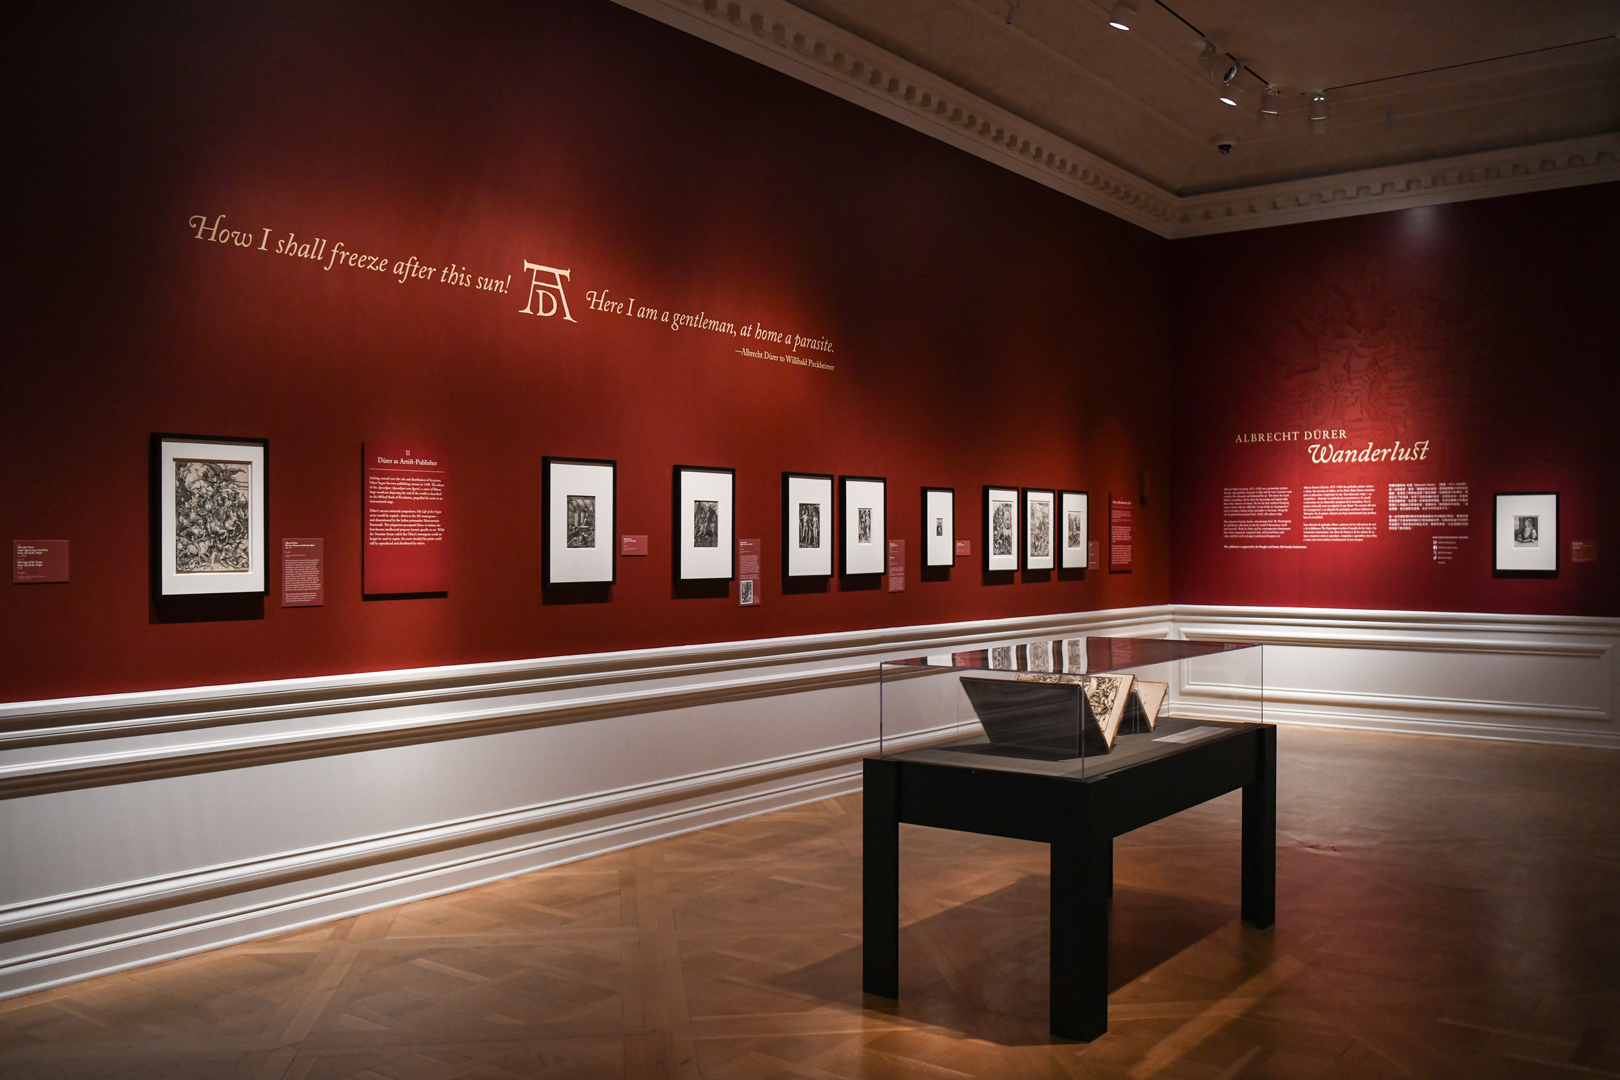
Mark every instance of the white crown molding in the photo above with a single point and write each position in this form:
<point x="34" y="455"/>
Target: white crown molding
<point x="1593" y="159"/>
<point x="790" y="40"/>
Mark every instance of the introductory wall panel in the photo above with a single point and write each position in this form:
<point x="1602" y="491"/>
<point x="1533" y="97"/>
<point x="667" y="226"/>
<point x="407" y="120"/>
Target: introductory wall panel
<point x="1351" y="395"/>
<point x="512" y="230"/>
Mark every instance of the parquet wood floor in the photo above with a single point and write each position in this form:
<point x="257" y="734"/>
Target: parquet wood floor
<point x="1446" y="909"/>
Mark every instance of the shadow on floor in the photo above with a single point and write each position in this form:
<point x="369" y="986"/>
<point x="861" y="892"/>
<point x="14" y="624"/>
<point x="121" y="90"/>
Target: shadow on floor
<point x="980" y="968"/>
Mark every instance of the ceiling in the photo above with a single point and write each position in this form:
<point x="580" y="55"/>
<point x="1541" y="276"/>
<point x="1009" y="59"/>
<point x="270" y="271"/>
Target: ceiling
<point x="1423" y="95"/>
<point x="1142" y="101"/>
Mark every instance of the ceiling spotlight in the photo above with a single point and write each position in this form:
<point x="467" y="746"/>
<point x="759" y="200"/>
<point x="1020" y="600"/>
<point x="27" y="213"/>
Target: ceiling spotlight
<point x="1270" y="107"/>
<point x="1123" y="15"/>
<point x="1231" y="95"/>
<point x="1319" y="111"/>
<point x="1208" y="57"/>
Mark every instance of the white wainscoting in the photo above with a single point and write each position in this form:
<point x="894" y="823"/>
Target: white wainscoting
<point x="135" y="827"/>
<point x="1539" y="678"/>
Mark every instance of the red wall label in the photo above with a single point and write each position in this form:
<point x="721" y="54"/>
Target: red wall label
<point x="897" y="566"/>
<point x="748" y="573"/>
<point x="1121" y="535"/>
<point x="964" y="548"/>
<point x="1579" y="551"/>
<point x="303" y="571"/>
<point x="34" y="561"/>
<point x="632" y="545"/>
<point x="405" y="545"/>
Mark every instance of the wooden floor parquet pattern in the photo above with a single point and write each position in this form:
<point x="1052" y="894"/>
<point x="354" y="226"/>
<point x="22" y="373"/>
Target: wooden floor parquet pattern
<point x="1447" y="908"/>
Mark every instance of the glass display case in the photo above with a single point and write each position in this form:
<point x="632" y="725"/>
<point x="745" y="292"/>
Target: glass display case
<point x="1074" y="705"/>
<point x="1070" y="743"/>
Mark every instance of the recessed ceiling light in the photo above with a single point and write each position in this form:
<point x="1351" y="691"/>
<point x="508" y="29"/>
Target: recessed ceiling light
<point x="1123" y="15"/>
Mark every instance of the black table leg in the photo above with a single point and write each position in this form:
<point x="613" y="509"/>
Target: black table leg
<point x="1082" y="876"/>
<point x="1260" y="835"/>
<point x="880" y="879"/>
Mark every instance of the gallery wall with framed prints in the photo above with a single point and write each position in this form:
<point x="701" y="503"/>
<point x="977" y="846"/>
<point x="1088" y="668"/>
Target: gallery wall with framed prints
<point x="1342" y="444"/>
<point x="288" y="295"/>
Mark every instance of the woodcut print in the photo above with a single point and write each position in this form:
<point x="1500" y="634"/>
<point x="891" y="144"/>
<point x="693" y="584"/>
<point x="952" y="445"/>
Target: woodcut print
<point x="582" y="521"/>
<point x="212" y="516"/>
<point x="705" y="523"/>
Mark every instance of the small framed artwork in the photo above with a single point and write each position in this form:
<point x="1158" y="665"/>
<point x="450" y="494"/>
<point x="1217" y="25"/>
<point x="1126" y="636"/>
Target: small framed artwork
<point x="1000" y="528"/>
<point x="939" y="526"/>
<point x="208" y="515"/>
<point x="807" y="524"/>
<point x="1040" y="552"/>
<point x="864" y="543"/>
<point x="1073" y="530"/>
<point x="1526" y="534"/>
<point x="577" y="522"/>
<point x="704" y="535"/>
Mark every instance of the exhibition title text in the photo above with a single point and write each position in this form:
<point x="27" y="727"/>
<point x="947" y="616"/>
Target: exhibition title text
<point x="1322" y="452"/>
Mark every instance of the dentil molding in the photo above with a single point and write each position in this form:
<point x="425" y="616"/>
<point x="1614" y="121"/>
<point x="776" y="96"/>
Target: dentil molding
<point x="797" y="43"/>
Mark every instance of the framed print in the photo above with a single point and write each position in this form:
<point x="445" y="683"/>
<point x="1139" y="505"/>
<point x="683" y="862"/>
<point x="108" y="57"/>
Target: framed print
<point x="1040" y="519"/>
<point x="864" y="534"/>
<point x="1074" y="529"/>
<point x="577" y="521"/>
<point x="704" y="537"/>
<point x="1000" y="528"/>
<point x="807" y="524"/>
<point x="208" y="515"/>
<point x="939" y="526"/>
<point x="1526" y="534"/>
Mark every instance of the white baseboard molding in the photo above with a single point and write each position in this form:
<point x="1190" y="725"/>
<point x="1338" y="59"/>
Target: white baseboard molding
<point x="332" y="796"/>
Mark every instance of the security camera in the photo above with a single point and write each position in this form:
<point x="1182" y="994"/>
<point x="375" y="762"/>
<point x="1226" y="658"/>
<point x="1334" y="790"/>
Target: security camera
<point x="1224" y="143"/>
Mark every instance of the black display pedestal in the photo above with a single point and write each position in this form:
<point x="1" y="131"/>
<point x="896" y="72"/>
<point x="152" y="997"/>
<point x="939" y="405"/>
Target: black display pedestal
<point x="1079" y="816"/>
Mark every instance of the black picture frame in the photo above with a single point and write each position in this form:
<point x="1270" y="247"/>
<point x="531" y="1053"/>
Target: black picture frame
<point x="162" y="535"/>
<point x="689" y="566"/>
<point x="609" y="536"/>
<point x="1005" y="562"/>
<point x="934" y="559"/>
<point x="1049" y="561"/>
<point x="1064" y="549"/>
<point x="853" y="563"/>
<point x="1510" y="509"/>
<point x="790" y="527"/>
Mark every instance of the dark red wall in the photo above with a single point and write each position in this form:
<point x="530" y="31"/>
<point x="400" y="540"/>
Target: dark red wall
<point x="987" y="329"/>
<point x="1486" y="327"/>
